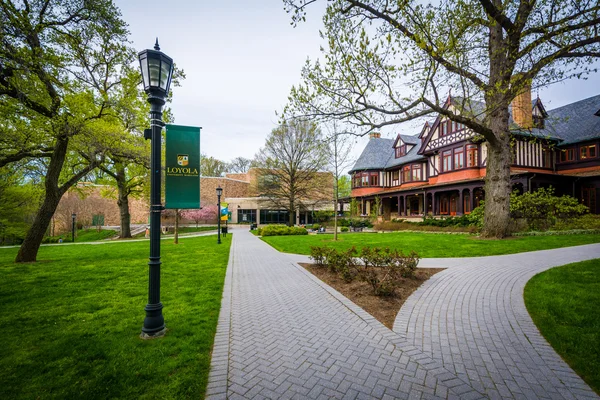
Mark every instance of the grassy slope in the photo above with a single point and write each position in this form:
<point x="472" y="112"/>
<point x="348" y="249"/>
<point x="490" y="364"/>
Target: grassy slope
<point x="563" y="303"/>
<point x="71" y="321"/>
<point x="430" y="244"/>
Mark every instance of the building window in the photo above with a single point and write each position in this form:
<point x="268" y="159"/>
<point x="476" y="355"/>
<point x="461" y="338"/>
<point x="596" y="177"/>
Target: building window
<point x="546" y="158"/>
<point x="406" y="174"/>
<point x="443" y="128"/>
<point x="444" y="205"/>
<point x="356" y="180"/>
<point x="395" y="175"/>
<point x="246" y="216"/>
<point x="459" y="159"/>
<point x="447" y="161"/>
<point x="588" y="198"/>
<point x="567" y="155"/>
<point x="587" y="152"/>
<point x="274" y="217"/>
<point x="400" y="151"/>
<point x="374" y="178"/>
<point x="467" y="203"/>
<point x="472" y="156"/>
<point x="416" y="172"/>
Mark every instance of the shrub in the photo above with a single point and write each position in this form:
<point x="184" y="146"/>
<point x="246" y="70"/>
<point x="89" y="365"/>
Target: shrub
<point x="315" y="227"/>
<point x="281" y="230"/>
<point x="344" y="229"/>
<point x="319" y="255"/>
<point x="588" y="221"/>
<point x="382" y="268"/>
<point x="323" y="215"/>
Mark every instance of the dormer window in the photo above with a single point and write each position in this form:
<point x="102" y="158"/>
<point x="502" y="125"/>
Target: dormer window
<point x="401" y="151"/>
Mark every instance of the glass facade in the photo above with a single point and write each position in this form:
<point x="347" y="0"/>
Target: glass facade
<point x="274" y="217"/>
<point x="248" y="216"/>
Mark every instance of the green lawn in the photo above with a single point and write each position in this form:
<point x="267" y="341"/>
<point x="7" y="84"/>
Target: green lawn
<point x="83" y="235"/>
<point x="430" y="244"/>
<point x="563" y="303"/>
<point x="71" y="321"/>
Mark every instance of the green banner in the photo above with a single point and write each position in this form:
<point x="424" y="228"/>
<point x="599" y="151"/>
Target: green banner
<point x="182" y="167"/>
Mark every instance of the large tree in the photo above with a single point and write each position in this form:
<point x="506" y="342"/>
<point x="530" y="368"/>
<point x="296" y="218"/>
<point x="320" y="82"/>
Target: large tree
<point x="239" y="165"/>
<point x="210" y="166"/>
<point x="57" y="69"/>
<point x="290" y="163"/>
<point x="386" y="62"/>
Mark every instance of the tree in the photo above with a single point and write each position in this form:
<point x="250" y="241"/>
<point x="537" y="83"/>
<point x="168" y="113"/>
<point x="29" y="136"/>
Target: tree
<point x="239" y="165"/>
<point x="206" y="213"/>
<point x="290" y="163"/>
<point x="340" y="147"/>
<point x="344" y="186"/>
<point x="58" y="64"/>
<point x="386" y="62"/>
<point x="210" y="166"/>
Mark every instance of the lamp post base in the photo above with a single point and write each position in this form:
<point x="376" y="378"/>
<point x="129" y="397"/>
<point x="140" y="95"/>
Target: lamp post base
<point x="159" y="334"/>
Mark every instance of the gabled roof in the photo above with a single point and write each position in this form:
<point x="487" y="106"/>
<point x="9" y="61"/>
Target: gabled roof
<point x="412" y="155"/>
<point x="380" y="154"/>
<point x="406" y="139"/>
<point x="575" y="122"/>
<point x="375" y="155"/>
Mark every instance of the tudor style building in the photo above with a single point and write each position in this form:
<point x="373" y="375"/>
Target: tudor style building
<point x="442" y="170"/>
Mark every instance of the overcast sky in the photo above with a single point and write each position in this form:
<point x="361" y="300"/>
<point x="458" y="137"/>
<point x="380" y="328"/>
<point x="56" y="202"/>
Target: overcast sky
<point x="241" y="58"/>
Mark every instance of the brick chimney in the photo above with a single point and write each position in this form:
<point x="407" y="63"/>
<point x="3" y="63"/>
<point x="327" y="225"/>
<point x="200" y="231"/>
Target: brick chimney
<point x="374" y="135"/>
<point x="521" y="108"/>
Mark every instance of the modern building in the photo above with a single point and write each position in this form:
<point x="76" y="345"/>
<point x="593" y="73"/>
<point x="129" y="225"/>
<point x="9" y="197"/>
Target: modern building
<point x="248" y="203"/>
<point x="442" y="170"/>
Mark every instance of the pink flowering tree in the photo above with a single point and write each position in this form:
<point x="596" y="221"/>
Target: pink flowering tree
<point x="206" y="213"/>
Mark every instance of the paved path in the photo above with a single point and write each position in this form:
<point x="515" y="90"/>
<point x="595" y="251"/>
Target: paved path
<point x="283" y="333"/>
<point x="472" y="318"/>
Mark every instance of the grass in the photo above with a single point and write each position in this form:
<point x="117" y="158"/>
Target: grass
<point x="71" y="321"/>
<point x="430" y="244"/>
<point x="183" y="229"/>
<point x="83" y="235"/>
<point x="563" y="303"/>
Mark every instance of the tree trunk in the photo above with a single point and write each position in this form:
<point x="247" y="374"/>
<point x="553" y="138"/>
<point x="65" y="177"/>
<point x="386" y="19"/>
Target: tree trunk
<point x="497" y="181"/>
<point x="31" y="245"/>
<point x="176" y="226"/>
<point x="292" y="214"/>
<point x="123" y="203"/>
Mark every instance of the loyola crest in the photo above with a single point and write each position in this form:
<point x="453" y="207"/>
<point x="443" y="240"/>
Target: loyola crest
<point x="182" y="159"/>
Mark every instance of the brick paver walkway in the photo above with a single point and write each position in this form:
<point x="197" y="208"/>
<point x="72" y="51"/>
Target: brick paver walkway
<point x="282" y="333"/>
<point x="472" y="318"/>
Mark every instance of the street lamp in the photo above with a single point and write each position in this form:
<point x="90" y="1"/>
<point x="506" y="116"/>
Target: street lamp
<point x="157" y="71"/>
<point x="219" y="193"/>
<point x="73" y="216"/>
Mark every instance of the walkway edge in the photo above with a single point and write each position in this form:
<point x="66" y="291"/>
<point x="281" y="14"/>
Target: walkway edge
<point x="456" y="385"/>
<point x="219" y="364"/>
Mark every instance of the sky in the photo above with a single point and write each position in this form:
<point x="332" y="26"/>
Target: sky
<point x="241" y="58"/>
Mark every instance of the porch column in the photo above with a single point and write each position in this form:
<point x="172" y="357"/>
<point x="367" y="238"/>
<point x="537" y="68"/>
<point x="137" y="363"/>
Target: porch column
<point x="460" y="209"/>
<point x="425" y="203"/>
<point x="434" y="207"/>
<point x="470" y="199"/>
<point x="399" y="209"/>
<point x="405" y="206"/>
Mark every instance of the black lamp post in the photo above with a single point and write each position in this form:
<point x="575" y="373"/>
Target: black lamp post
<point x="219" y="193"/>
<point x="73" y="216"/>
<point x="157" y="70"/>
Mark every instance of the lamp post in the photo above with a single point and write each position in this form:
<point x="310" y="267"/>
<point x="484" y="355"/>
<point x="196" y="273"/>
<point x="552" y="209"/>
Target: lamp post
<point x="73" y="216"/>
<point x="157" y="71"/>
<point x="219" y="193"/>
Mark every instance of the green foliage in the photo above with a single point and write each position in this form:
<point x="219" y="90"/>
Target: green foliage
<point x="381" y="268"/>
<point x="463" y="220"/>
<point x="344" y="186"/>
<point x="587" y="221"/>
<point x="376" y="209"/>
<point x="563" y="303"/>
<point x="344" y="229"/>
<point x="315" y="227"/>
<point x="86" y="345"/>
<point x="542" y="209"/>
<point x="323" y="215"/>
<point x="281" y="230"/>
<point x="83" y="235"/>
<point x="354" y="208"/>
<point x="19" y="204"/>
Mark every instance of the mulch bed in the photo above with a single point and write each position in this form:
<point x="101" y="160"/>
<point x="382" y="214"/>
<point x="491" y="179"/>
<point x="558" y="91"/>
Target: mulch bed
<point x="383" y="308"/>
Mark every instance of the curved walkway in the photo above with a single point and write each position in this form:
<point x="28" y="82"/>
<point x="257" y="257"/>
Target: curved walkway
<point x="283" y="333"/>
<point x="472" y="318"/>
